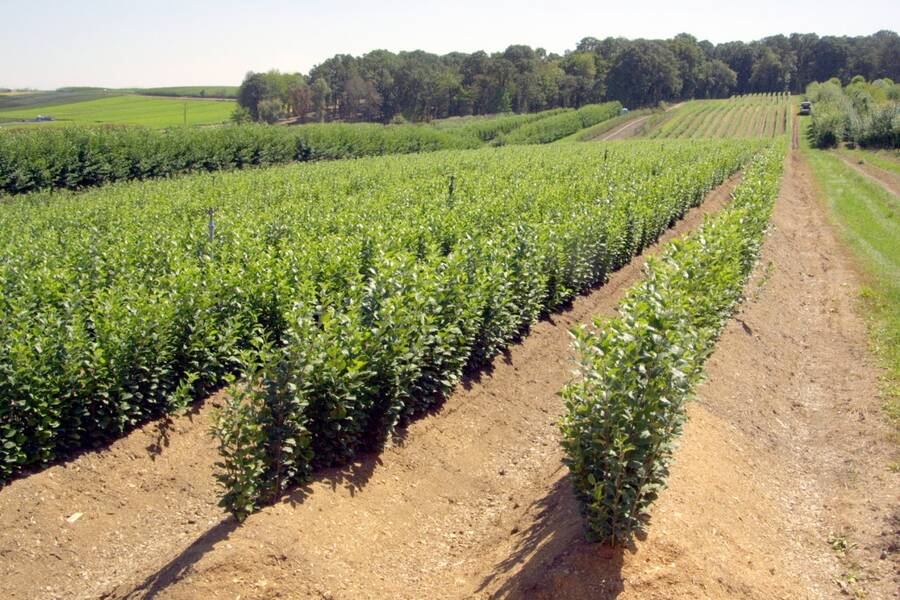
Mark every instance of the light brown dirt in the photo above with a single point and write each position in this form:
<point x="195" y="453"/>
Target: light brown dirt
<point x="148" y="503"/>
<point x="626" y="131"/>
<point x="784" y="459"/>
<point x="886" y="179"/>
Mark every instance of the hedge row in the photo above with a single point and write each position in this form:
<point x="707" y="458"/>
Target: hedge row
<point x="488" y="129"/>
<point x="122" y="303"/>
<point x="862" y="113"/>
<point x="638" y="370"/>
<point x="77" y="157"/>
<point x="559" y="126"/>
<point x="380" y="326"/>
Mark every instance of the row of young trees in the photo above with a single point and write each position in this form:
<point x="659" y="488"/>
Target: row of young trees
<point x="382" y="85"/>
<point x="865" y="113"/>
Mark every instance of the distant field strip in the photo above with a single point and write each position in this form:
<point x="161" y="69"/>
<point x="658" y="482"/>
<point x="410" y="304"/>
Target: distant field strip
<point x="35" y="100"/>
<point x="756" y="115"/>
<point x="156" y="111"/>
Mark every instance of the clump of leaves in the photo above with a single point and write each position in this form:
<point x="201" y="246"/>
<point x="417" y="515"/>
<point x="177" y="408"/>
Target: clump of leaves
<point x="261" y="432"/>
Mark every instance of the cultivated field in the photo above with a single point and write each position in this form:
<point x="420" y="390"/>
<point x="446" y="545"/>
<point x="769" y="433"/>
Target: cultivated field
<point x="77" y="157"/>
<point x="513" y="255"/>
<point x="450" y="365"/>
<point x="85" y="108"/>
<point x="758" y="115"/>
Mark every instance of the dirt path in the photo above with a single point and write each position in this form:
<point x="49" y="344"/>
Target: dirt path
<point x="625" y="131"/>
<point x="886" y="179"/>
<point x="148" y="503"/>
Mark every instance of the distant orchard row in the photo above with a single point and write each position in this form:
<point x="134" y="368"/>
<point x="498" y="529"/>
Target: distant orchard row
<point x="51" y="158"/>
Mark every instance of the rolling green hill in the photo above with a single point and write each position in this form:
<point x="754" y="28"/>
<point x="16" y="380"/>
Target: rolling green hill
<point x="152" y="111"/>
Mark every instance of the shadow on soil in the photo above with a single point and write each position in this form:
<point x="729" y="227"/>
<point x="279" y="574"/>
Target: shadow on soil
<point x="552" y="558"/>
<point x="352" y="477"/>
<point x="181" y="564"/>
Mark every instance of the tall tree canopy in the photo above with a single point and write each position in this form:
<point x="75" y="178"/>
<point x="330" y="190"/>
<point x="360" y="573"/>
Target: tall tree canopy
<point x="417" y="85"/>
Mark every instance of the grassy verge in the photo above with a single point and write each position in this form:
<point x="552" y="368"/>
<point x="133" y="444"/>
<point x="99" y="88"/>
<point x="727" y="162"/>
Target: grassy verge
<point x="870" y="223"/>
<point x="889" y="160"/>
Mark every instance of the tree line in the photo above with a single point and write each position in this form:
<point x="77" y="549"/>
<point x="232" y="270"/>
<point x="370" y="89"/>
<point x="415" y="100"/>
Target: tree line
<point x="420" y="86"/>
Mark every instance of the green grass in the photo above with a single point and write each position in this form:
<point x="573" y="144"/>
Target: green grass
<point x="193" y="91"/>
<point x="29" y="100"/>
<point x="889" y="160"/>
<point x="150" y="111"/>
<point x="869" y="221"/>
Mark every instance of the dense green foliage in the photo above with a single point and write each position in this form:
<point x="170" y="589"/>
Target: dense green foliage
<point x="639" y="369"/>
<point x="384" y="276"/>
<point x="79" y="157"/>
<point x="381" y="318"/>
<point x="487" y="129"/>
<point x="863" y="113"/>
<point x="422" y="86"/>
<point x="559" y="126"/>
<point x="191" y="91"/>
<point x="70" y="157"/>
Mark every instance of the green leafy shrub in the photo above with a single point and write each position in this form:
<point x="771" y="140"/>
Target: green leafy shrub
<point x="261" y="431"/>
<point x="638" y="370"/>
<point x="78" y="157"/>
<point x="394" y="338"/>
<point x="863" y="113"/>
<point x="375" y="282"/>
<point x="563" y="124"/>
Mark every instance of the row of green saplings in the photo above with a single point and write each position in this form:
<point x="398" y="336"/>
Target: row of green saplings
<point x="327" y="389"/>
<point x="638" y="370"/>
<point x="78" y="157"/>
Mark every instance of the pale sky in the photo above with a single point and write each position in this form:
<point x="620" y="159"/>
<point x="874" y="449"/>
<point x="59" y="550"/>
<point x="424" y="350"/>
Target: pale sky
<point x="47" y="44"/>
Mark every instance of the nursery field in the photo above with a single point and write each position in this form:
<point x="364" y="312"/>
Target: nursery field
<point x="76" y="157"/>
<point x="445" y="361"/>
<point x="756" y="115"/>
<point x="86" y="108"/>
<point x="413" y="267"/>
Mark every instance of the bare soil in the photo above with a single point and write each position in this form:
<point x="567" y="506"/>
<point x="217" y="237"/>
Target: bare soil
<point x="780" y="489"/>
<point x="629" y="129"/>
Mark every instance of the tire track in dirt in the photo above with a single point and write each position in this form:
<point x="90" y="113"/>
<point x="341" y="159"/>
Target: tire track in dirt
<point x="386" y="526"/>
<point x="887" y="180"/>
<point x="625" y="131"/>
